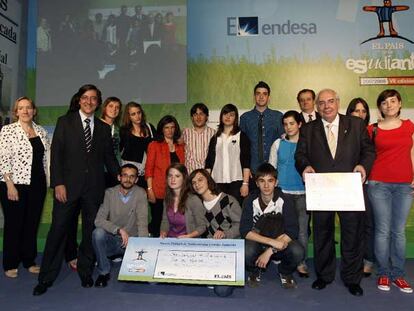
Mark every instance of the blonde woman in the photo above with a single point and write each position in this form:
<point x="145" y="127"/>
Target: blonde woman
<point x="24" y="147"/>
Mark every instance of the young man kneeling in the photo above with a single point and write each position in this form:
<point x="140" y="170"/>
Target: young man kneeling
<point x="123" y="213"/>
<point x="270" y="228"/>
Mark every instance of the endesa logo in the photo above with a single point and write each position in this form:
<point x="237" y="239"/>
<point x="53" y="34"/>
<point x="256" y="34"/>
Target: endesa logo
<point x="249" y="26"/>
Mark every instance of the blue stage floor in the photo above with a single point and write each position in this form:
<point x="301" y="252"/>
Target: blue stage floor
<point x="67" y="294"/>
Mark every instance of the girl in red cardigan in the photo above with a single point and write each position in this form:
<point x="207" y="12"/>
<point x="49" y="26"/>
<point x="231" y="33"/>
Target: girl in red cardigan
<point x="161" y="153"/>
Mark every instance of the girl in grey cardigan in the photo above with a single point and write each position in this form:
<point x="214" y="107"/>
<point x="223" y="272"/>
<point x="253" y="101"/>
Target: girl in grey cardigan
<point x="222" y="211"/>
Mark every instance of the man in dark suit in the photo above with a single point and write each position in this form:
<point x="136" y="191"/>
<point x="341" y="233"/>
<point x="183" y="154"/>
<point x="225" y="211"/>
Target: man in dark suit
<point x="306" y="101"/>
<point x="81" y="148"/>
<point x="336" y="143"/>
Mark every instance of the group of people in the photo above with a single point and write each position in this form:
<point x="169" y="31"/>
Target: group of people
<point x="121" y="31"/>
<point x="244" y="180"/>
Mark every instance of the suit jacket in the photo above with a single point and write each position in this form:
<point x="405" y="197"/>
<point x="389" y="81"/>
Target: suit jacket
<point x="302" y="118"/>
<point x="72" y="166"/>
<point x="353" y="147"/>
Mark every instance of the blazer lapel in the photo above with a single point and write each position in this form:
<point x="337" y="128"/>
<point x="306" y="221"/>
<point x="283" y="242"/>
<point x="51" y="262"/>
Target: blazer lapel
<point x="342" y="133"/>
<point x="78" y="130"/>
<point x="321" y="135"/>
<point x="96" y="130"/>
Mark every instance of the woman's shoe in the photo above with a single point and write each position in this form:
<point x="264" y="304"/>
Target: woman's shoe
<point x="367" y="271"/>
<point x="303" y="271"/>
<point x="12" y="273"/>
<point x="34" y="269"/>
<point x="73" y="265"/>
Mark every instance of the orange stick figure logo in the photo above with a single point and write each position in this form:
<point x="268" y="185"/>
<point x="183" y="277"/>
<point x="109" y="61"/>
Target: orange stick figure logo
<point x="384" y="14"/>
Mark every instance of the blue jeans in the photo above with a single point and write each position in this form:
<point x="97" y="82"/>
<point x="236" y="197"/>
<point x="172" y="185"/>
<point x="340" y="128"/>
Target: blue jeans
<point x="391" y="203"/>
<point x="105" y="244"/>
<point x="299" y="201"/>
<point x="289" y="258"/>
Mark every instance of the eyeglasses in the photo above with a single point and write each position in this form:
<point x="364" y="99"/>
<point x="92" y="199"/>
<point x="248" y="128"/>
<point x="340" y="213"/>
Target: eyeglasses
<point x="89" y="98"/>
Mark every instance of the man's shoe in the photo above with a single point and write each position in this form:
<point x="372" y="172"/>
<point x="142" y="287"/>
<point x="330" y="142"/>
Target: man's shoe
<point x="355" y="289"/>
<point x="288" y="281"/>
<point x="253" y="280"/>
<point x="87" y="282"/>
<point x="41" y="288"/>
<point x="319" y="284"/>
<point x="102" y="280"/>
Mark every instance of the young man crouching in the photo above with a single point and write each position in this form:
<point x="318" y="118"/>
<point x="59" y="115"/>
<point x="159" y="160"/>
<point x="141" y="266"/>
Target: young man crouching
<point x="269" y="225"/>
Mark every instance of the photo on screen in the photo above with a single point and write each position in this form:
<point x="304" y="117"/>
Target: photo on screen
<point x="130" y="50"/>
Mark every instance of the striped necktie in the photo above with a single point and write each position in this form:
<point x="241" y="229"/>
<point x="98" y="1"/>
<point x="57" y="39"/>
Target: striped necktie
<point x="88" y="135"/>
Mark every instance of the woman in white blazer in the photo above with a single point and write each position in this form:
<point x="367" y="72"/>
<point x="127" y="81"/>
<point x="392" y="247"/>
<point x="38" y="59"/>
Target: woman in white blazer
<point x="24" y="148"/>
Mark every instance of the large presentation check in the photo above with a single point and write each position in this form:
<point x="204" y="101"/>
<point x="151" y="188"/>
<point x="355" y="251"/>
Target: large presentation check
<point x="196" y="261"/>
<point x="334" y="192"/>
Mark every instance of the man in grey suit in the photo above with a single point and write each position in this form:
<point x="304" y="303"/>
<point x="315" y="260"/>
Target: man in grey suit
<point x="81" y="148"/>
<point x="336" y="143"/>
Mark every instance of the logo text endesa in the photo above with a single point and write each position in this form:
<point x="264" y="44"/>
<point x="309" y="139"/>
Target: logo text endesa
<point x="287" y="28"/>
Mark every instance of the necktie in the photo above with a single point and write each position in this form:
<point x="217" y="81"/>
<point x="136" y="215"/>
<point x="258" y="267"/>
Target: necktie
<point x="260" y="138"/>
<point x="310" y="118"/>
<point x="88" y="135"/>
<point x="331" y="140"/>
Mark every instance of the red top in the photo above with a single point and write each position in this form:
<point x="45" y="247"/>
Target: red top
<point x="158" y="160"/>
<point x="393" y="154"/>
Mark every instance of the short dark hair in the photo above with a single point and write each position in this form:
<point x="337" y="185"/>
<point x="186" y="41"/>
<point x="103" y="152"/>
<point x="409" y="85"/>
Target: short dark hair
<point x="386" y="94"/>
<point x="352" y="106"/>
<point x="165" y="120"/>
<point x="261" y="84"/>
<point x="265" y="169"/>
<point x="225" y="110"/>
<point x="128" y="165"/>
<point x="200" y="106"/>
<point x="74" y="102"/>
<point x="294" y="114"/>
<point x="212" y="186"/>
<point x="305" y="91"/>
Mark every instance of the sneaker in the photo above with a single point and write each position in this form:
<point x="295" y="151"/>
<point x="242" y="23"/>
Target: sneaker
<point x="117" y="259"/>
<point x="383" y="283"/>
<point x="288" y="281"/>
<point x="403" y="285"/>
<point x="253" y="279"/>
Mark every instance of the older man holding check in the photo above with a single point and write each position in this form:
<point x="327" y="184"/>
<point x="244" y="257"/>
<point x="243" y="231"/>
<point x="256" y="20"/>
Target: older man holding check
<point x="336" y="143"/>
